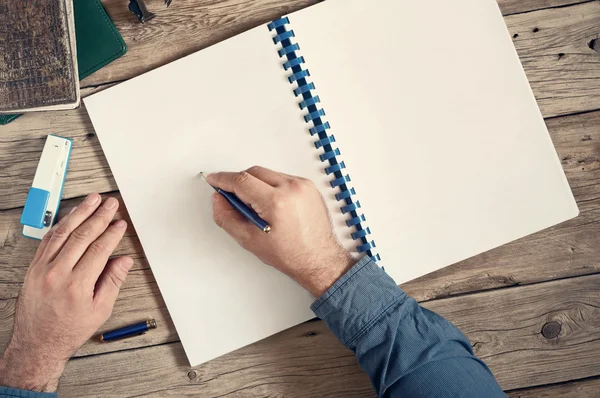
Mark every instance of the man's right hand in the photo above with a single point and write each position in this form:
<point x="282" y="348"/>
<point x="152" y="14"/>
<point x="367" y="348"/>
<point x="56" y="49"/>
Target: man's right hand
<point x="301" y="244"/>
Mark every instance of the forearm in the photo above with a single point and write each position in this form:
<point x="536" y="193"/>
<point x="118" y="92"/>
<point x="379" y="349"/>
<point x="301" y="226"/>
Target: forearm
<point x="400" y="345"/>
<point x="20" y="377"/>
<point x="26" y="370"/>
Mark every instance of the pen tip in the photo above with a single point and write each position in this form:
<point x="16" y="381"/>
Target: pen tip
<point x="201" y="174"/>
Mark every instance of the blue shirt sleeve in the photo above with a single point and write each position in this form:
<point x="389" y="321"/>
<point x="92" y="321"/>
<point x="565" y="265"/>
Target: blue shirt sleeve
<point x="405" y="349"/>
<point x="7" y="392"/>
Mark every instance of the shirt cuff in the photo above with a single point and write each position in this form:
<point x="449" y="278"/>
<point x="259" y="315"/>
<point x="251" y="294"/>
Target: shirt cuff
<point x="357" y="300"/>
<point x="7" y="392"/>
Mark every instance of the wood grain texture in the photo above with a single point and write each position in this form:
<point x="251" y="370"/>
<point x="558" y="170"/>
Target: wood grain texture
<point x="554" y="48"/>
<point x="588" y="388"/>
<point x="510" y="7"/>
<point x="307" y="360"/>
<point x="504" y="327"/>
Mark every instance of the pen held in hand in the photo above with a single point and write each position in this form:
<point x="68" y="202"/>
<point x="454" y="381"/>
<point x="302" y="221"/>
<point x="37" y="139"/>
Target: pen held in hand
<point x="242" y="208"/>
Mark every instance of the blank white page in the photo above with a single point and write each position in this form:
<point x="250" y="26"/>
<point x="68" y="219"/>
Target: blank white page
<point x="437" y="123"/>
<point x="227" y="107"/>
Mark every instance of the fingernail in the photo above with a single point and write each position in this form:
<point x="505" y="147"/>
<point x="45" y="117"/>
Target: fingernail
<point x="127" y="263"/>
<point x="110" y="203"/>
<point x="121" y="224"/>
<point x="213" y="197"/>
<point x="92" y="199"/>
<point x="72" y="210"/>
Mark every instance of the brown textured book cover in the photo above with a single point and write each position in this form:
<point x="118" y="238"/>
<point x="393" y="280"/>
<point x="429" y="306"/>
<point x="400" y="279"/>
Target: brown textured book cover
<point x="38" y="65"/>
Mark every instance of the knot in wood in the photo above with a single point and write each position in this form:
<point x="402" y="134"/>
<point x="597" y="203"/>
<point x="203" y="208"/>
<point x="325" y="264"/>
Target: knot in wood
<point x="551" y="330"/>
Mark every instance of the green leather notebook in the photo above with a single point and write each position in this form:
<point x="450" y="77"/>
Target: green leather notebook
<point x="98" y="41"/>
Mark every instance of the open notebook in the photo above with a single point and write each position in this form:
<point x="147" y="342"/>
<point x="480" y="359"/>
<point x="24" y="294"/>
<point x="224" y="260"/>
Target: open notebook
<point x="433" y="119"/>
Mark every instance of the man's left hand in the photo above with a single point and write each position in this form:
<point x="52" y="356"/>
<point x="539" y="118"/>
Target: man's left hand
<point x="69" y="292"/>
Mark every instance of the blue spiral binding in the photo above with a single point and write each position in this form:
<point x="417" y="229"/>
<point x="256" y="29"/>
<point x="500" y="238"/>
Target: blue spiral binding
<point x="293" y="63"/>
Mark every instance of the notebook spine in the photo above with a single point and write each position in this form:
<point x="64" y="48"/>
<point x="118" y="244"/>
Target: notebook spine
<point x="309" y="102"/>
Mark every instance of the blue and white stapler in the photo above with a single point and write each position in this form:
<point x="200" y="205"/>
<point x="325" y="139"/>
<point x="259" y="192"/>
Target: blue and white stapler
<point x="44" y="195"/>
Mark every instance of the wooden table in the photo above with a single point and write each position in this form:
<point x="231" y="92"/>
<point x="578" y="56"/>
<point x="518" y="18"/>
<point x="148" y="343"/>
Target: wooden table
<point x="531" y="308"/>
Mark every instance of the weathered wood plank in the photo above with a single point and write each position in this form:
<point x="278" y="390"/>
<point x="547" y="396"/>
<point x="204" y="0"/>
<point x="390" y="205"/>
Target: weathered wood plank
<point x="510" y="7"/>
<point x="589" y="388"/>
<point x="554" y="49"/>
<point x="504" y="326"/>
<point x="308" y="363"/>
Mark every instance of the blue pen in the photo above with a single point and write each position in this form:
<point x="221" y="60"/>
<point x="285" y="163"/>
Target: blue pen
<point x="128" y="331"/>
<point x="242" y="208"/>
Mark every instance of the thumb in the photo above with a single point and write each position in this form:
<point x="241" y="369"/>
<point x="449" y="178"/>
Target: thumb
<point x="111" y="280"/>
<point x="231" y="220"/>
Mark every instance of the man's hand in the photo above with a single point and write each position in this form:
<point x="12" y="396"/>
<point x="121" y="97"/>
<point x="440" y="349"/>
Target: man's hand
<point x="301" y="244"/>
<point x="69" y="292"/>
